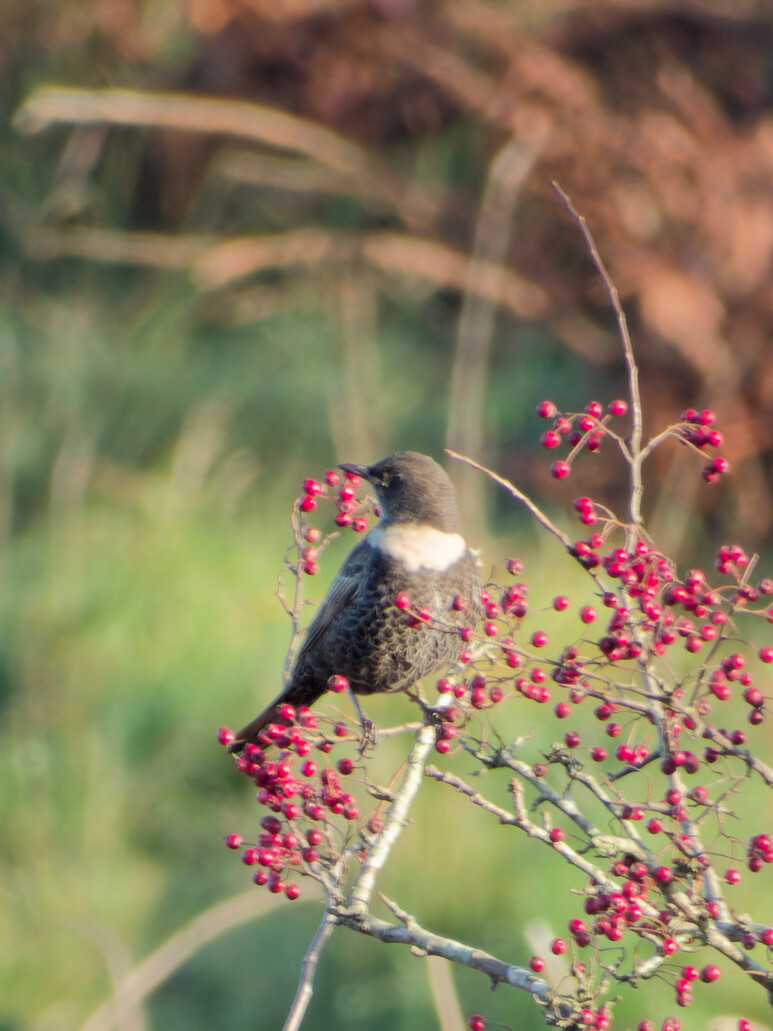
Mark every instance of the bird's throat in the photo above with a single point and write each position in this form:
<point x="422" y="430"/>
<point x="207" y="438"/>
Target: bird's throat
<point x="418" y="545"/>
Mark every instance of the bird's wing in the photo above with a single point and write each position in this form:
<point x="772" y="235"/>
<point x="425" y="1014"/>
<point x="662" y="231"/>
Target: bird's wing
<point x="341" y="593"/>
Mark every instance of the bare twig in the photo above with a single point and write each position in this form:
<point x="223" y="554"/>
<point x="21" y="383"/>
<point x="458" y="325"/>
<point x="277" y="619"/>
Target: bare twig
<point x="535" y="510"/>
<point x="308" y="969"/>
<point x="634" y="452"/>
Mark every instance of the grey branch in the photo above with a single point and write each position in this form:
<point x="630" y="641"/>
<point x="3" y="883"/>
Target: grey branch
<point x="409" y="932"/>
<point x="308" y="969"/>
<point x="394" y="821"/>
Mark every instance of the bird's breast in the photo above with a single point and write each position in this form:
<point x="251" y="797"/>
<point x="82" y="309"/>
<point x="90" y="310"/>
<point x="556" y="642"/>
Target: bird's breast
<point x="418" y="546"/>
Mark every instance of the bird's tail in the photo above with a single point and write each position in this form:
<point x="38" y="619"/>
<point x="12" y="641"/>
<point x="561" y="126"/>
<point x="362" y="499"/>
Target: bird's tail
<point x="249" y="735"/>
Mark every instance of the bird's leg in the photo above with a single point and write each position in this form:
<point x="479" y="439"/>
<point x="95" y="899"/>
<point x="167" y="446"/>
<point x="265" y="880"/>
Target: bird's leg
<point x="368" y="726"/>
<point x="432" y="713"/>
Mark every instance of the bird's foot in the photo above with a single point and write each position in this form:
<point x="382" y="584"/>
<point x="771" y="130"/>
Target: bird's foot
<point x="369" y="735"/>
<point x="369" y="732"/>
<point x="434" y="714"/>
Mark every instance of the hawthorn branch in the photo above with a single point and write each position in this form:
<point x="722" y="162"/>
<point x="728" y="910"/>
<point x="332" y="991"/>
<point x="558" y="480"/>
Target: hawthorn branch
<point x="718" y="934"/>
<point x="520" y="819"/>
<point x="394" y="821"/>
<point x="598" y="838"/>
<point x="759" y="767"/>
<point x="411" y="933"/>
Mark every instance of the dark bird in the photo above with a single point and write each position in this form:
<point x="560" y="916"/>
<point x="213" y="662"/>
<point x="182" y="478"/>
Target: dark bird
<point x="359" y="632"/>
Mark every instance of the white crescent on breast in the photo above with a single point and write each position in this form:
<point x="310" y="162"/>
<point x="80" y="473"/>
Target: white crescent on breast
<point x="418" y="545"/>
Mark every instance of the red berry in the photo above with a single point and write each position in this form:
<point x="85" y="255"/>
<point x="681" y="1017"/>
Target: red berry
<point x="537" y="964"/>
<point x="557" y="834"/>
<point x="732" y="876"/>
<point x="617" y="407"/>
<point x="226" y="736"/>
<point x="558" y="947"/>
<point x="234" y="841"/>
<point x="561" y="602"/>
<point x="587" y="614"/>
<point x="292" y="891"/>
<point x="337" y="683"/>
<point x="754" y="697"/>
<point x="710" y="973"/>
<point x="476" y="1023"/>
<point x="547" y="410"/>
<point x="539" y="638"/>
<point x="560" y="470"/>
<point x="550" y="439"/>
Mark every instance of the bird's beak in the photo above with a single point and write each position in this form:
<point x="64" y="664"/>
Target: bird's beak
<point x="356" y="470"/>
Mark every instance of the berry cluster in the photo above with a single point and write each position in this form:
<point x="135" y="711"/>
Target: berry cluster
<point x="350" y="510"/>
<point x="304" y="797"/>
<point x="587" y="431"/>
<point x="342" y="490"/>
<point x="579" y="431"/>
<point x="697" y="429"/>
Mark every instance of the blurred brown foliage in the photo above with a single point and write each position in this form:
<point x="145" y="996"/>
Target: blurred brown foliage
<point x="655" y="116"/>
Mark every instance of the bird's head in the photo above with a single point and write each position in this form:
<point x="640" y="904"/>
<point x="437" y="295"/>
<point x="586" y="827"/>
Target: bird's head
<point x="411" y="487"/>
